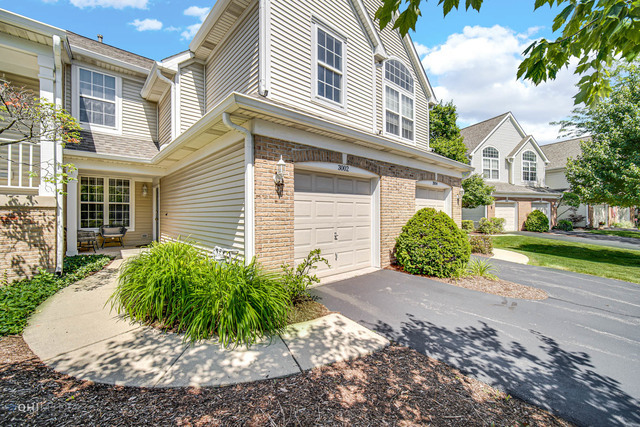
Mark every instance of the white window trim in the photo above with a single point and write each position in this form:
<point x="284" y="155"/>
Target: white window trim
<point x="401" y="91"/>
<point x="535" y="163"/>
<point x="75" y="103"/>
<point x="132" y="200"/>
<point x="492" y="158"/>
<point x="342" y="106"/>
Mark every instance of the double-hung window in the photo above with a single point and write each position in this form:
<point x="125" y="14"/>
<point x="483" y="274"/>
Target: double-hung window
<point x="490" y="163"/>
<point x="529" y="160"/>
<point x="399" y="100"/>
<point x="329" y="67"/>
<point x="105" y="201"/>
<point x="97" y="98"/>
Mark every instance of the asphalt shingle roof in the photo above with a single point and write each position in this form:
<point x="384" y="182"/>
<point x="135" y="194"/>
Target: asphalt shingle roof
<point x="108" y="50"/>
<point x="115" y="144"/>
<point x="559" y="152"/>
<point x="473" y="135"/>
<point x="503" y="187"/>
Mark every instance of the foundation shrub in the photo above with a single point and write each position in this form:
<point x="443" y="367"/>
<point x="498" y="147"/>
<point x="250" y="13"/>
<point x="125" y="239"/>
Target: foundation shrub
<point x="491" y="225"/>
<point x="481" y="245"/>
<point x="537" y="222"/>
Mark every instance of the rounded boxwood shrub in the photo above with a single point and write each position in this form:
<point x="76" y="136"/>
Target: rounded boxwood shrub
<point x="467" y="225"/>
<point x="491" y="225"/>
<point x="481" y="244"/>
<point x="432" y="244"/>
<point x="537" y="221"/>
<point x="564" y="225"/>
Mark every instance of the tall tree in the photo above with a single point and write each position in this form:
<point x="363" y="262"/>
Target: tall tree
<point x="592" y="32"/>
<point x="608" y="169"/>
<point x="444" y="133"/>
<point x="476" y="192"/>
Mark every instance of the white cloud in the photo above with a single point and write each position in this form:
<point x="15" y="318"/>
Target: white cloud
<point x="172" y="28"/>
<point x="198" y="12"/>
<point x="191" y="31"/>
<point x="146" y="24"/>
<point x="477" y="70"/>
<point x="116" y="4"/>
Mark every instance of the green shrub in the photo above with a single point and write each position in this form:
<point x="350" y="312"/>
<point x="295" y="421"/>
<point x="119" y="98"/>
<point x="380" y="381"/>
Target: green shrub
<point x="18" y="300"/>
<point x="467" y="225"/>
<point x="481" y="244"/>
<point x="297" y="280"/>
<point x="481" y="268"/>
<point x="623" y="224"/>
<point x="178" y="286"/>
<point x="491" y="226"/>
<point x="565" y="225"/>
<point x="432" y="244"/>
<point x="537" y="221"/>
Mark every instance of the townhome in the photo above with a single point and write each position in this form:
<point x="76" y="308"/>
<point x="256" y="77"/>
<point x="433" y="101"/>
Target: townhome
<point x="287" y="126"/>
<point x="511" y="161"/>
<point x="585" y="215"/>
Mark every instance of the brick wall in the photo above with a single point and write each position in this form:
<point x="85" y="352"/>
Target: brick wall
<point x="274" y="213"/>
<point x="27" y="238"/>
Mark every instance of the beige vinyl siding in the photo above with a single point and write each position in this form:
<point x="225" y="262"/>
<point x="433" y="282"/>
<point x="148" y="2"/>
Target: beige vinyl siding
<point x="234" y="66"/>
<point x="504" y="139"/>
<point x="517" y="165"/>
<point x="204" y="202"/>
<point x="67" y="89"/>
<point x="291" y="58"/>
<point x="143" y="212"/>
<point x="379" y="100"/>
<point x="556" y="180"/>
<point x="192" y="105"/>
<point x="139" y="117"/>
<point x="18" y="82"/>
<point x="164" y="119"/>
<point x="395" y="47"/>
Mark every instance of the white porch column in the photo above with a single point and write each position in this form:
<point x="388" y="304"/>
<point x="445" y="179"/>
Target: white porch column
<point x="47" y="147"/>
<point x="72" y="215"/>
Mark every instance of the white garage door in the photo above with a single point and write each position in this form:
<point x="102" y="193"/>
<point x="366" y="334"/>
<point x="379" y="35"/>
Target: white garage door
<point x="333" y="214"/>
<point x="508" y="212"/>
<point x="542" y="207"/>
<point x="431" y="198"/>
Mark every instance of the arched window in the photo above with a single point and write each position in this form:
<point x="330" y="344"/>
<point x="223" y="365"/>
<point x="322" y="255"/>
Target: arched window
<point x="529" y="162"/>
<point x="399" y="105"/>
<point x="490" y="163"/>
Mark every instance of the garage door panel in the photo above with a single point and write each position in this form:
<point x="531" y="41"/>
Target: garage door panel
<point x="330" y="205"/>
<point x="508" y="212"/>
<point x="303" y="182"/>
<point x="431" y="198"/>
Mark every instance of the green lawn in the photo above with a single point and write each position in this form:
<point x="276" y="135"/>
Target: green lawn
<point x="619" y="233"/>
<point x="621" y="264"/>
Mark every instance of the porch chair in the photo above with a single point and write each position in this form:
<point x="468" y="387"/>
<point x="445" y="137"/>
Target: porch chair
<point x="112" y="232"/>
<point x="86" y="237"/>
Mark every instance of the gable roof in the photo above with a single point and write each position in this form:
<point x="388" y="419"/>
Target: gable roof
<point x="522" y="143"/>
<point x="559" y="152"/>
<point x="87" y="44"/>
<point x="474" y="135"/>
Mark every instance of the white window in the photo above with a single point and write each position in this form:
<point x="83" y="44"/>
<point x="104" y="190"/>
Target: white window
<point x="329" y="66"/>
<point x="97" y="99"/>
<point x="529" y="160"/>
<point x="490" y="163"/>
<point x="399" y="104"/>
<point x="105" y="201"/>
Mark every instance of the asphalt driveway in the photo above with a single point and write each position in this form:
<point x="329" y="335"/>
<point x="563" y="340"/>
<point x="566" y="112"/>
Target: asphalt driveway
<point x="576" y="353"/>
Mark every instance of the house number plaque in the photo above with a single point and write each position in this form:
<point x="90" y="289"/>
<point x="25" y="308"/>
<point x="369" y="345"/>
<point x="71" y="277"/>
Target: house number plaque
<point x="343" y="168"/>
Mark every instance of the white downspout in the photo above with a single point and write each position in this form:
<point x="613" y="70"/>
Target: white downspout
<point x="249" y="197"/>
<point x="57" y="154"/>
<point x="264" y="81"/>
<point x="174" y="133"/>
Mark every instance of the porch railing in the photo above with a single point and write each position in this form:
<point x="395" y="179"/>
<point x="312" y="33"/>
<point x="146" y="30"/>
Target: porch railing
<point x="20" y="166"/>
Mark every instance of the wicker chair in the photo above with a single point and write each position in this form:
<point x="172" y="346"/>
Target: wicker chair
<point x="87" y="238"/>
<point x="113" y="232"/>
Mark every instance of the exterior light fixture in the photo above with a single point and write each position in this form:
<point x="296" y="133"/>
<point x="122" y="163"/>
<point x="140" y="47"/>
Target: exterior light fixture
<point x="145" y="190"/>
<point x="278" y="178"/>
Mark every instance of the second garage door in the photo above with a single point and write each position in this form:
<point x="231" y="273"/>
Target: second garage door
<point x="431" y="198"/>
<point x="333" y="214"/>
<point x="508" y="212"/>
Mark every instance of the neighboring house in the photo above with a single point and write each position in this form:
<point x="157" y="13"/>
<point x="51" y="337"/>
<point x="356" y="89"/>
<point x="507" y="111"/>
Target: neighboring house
<point x="558" y="153"/>
<point x="189" y="146"/>
<point x="512" y="162"/>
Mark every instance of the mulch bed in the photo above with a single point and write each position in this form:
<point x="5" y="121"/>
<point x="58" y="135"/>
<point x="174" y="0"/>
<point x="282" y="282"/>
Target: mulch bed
<point x="498" y="287"/>
<point x="396" y="386"/>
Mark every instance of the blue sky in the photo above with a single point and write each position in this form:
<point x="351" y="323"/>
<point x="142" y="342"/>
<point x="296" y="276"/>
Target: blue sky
<point x="470" y="57"/>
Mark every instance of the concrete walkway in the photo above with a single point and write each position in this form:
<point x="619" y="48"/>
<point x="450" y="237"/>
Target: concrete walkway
<point x="510" y="256"/>
<point x="75" y="333"/>
<point x="586" y="238"/>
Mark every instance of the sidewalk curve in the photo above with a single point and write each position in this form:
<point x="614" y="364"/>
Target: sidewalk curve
<point x="75" y="332"/>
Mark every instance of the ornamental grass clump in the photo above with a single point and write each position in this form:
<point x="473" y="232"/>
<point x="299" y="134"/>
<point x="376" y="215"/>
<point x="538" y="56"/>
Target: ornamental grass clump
<point x="432" y="244"/>
<point x="177" y="286"/>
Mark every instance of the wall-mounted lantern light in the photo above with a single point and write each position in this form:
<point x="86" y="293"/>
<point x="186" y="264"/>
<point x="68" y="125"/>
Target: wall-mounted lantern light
<point x="278" y="178"/>
<point x="145" y="190"/>
<point x="460" y="194"/>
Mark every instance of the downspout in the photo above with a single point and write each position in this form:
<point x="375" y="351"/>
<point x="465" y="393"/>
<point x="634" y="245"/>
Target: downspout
<point x="173" y="103"/>
<point x="264" y="48"/>
<point x="249" y="212"/>
<point x="57" y="154"/>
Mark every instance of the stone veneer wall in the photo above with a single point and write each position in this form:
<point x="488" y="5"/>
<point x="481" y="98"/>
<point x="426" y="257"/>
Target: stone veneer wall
<point x="274" y="214"/>
<point x="27" y="236"/>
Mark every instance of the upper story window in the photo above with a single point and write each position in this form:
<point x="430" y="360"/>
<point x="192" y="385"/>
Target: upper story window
<point x="490" y="163"/>
<point x="399" y="100"/>
<point x="329" y="66"/>
<point x="529" y="164"/>
<point x="97" y="99"/>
